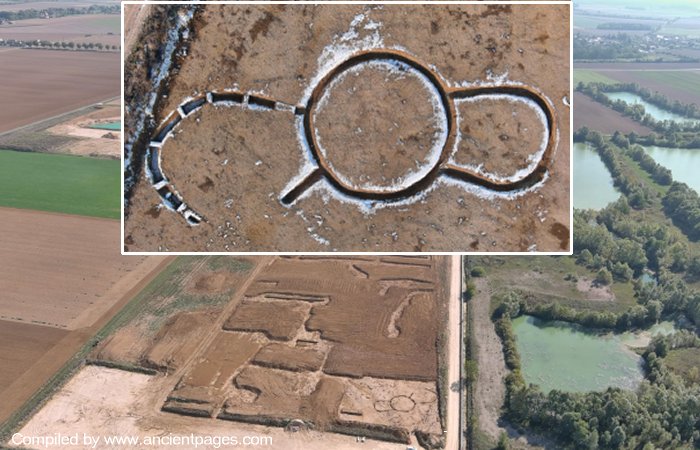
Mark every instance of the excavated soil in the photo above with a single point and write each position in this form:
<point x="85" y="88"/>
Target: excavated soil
<point x="347" y="344"/>
<point x="233" y="164"/>
<point x="257" y="317"/>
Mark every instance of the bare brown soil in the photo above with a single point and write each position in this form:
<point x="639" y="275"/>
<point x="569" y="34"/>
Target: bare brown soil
<point x="76" y="79"/>
<point x="233" y="164"/>
<point x="168" y="331"/>
<point x="345" y="344"/>
<point x="498" y="134"/>
<point x="591" y="114"/>
<point x="21" y="345"/>
<point x="97" y="28"/>
<point x="71" y="261"/>
<point x="106" y="402"/>
<point x="256" y="317"/>
<point x="134" y="17"/>
<point x="356" y="121"/>
<point x="634" y="73"/>
<point x="490" y="389"/>
<point x="65" y="271"/>
<point x="297" y="359"/>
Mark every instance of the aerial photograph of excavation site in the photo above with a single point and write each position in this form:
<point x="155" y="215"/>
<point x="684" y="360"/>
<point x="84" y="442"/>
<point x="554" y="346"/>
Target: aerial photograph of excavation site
<point x="308" y="352"/>
<point x="348" y="128"/>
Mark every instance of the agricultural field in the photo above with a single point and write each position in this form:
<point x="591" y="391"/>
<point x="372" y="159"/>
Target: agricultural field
<point x="20" y="4"/>
<point x="338" y="344"/>
<point x="98" y="28"/>
<point x="76" y="79"/>
<point x="591" y="76"/>
<point x="60" y="183"/>
<point x="64" y="280"/>
<point x="677" y="81"/>
<point x="597" y="117"/>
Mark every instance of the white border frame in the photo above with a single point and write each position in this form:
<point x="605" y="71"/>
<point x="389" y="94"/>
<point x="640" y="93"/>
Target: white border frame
<point x="356" y="2"/>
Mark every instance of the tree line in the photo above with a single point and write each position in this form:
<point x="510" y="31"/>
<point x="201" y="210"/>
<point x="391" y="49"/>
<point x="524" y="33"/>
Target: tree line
<point x="46" y="13"/>
<point x="58" y="45"/>
<point x="682" y="205"/>
<point x="677" y="134"/>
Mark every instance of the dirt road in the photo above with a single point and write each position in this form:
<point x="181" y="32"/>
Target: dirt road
<point x="454" y="375"/>
<point x="490" y="390"/>
<point x="263" y="262"/>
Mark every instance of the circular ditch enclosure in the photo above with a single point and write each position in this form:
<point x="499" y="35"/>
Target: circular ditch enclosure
<point x="380" y="125"/>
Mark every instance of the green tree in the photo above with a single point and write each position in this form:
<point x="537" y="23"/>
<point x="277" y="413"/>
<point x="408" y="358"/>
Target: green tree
<point x="604" y="277"/>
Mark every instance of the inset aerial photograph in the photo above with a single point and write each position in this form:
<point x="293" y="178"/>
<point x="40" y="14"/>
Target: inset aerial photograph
<point x="347" y="128"/>
<point x="599" y="349"/>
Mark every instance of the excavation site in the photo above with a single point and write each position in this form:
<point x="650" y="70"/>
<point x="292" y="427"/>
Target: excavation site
<point x="354" y="346"/>
<point x="349" y="128"/>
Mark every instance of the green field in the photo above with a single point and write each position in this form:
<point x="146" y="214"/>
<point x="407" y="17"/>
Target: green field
<point x="546" y="277"/>
<point x="60" y="183"/>
<point x="591" y="76"/>
<point x="683" y="80"/>
<point x="685" y="362"/>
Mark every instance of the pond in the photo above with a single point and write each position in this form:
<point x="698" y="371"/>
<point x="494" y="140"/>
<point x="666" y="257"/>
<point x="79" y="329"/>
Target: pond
<point x="655" y="112"/>
<point x="112" y="126"/>
<point x="593" y="184"/>
<point x="564" y="356"/>
<point x="682" y="162"/>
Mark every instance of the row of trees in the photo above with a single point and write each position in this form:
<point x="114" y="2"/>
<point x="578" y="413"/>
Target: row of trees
<point x="659" y="173"/>
<point x="690" y="110"/>
<point x="46" y="13"/>
<point x="631" y="26"/>
<point x="638" y="194"/>
<point x="58" y="45"/>
<point x="636" y="111"/>
<point x="614" y="47"/>
<point x="682" y="205"/>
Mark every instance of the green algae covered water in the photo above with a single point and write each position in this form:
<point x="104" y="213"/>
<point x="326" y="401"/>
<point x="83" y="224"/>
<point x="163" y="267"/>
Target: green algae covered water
<point x="112" y="126"/>
<point x="567" y="357"/>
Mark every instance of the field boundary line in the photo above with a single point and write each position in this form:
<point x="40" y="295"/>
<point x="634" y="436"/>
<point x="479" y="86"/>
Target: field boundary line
<point x="58" y="379"/>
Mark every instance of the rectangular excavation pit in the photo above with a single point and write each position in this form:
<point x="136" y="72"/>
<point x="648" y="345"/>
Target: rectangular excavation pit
<point x="190" y="106"/>
<point x="154" y="166"/>
<point x="222" y="97"/>
<point x="167" y="127"/>
<point x="261" y="102"/>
